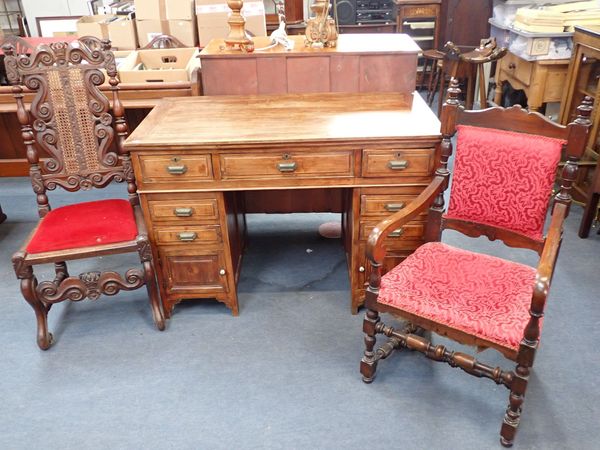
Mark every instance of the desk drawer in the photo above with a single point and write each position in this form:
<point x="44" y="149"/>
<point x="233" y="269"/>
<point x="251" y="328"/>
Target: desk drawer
<point x="192" y="210"/>
<point x="394" y="162"/>
<point x="412" y="231"/>
<point x="175" y="168"/>
<point x="287" y="164"/>
<point x="518" y="68"/>
<point x="189" y="235"/>
<point x="382" y="205"/>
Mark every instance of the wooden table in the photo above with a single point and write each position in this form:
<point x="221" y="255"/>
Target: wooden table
<point x="196" y="159"/>
<point x="543" y="81"/>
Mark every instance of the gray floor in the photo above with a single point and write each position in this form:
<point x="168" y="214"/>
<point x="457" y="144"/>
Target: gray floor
<point x="284" y="374"/>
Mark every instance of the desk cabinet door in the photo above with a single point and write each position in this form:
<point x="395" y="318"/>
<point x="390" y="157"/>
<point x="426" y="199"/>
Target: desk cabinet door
<point x="193" y="271"/>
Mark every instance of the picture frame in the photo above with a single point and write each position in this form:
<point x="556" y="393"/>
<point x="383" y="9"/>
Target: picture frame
<point x="49" y="25"/>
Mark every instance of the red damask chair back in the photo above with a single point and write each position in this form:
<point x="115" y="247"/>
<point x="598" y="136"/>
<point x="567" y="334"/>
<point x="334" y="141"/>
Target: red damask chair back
<point x="70" y="117"/>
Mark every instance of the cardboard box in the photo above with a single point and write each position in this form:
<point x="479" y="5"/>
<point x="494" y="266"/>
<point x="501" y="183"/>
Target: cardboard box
<point x="179" y="9"/>
<point x="150" y="10"/>
<point x="212" y="16"/>
<point x="122" y="34"/>
<point x="159" y="65"/>
<point x="149" y="29"/>
<point x="96" y="26"/>
<point x="184" y="30"/>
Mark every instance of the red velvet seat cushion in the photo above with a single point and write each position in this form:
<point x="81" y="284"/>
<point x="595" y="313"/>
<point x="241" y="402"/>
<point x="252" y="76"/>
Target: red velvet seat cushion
<point x="478" y="294"/>
<point x="84" y="225"/>
<point x="503" y="178"/>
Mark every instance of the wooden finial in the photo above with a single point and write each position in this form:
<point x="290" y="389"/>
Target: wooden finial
<point x="584" y="110"/>
<point x="453" y="92"/>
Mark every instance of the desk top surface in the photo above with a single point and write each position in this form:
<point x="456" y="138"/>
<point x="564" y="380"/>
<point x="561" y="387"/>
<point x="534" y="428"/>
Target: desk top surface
<point x="347" y="44"/>
<point x="225" y="121"/>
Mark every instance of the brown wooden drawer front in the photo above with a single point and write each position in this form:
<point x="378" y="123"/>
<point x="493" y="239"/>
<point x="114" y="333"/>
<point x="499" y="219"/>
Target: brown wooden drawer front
<point x="412" y="231"/>
<point x="193" y="272"/>
<point x="397" y="162"/>
<point x="382" y="205"/>
<point x="282" y="164"/>
<point x="419" y="11"/>
<point x="518" y="68"/>
<point x="189" y="235"/>
<point x="192" y="210"/>
<point x="175" y="168"/>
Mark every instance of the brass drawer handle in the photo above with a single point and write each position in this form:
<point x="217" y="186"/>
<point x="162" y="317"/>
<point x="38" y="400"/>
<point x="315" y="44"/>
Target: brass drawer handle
<point x="398" y="165"/>
<point x="183" y="212"/>
<point x="396" y="233"/>
<point x="394" y="206"/>
<point x="177" y="170"/>
<point x="187" y="236"/>
<point x="286" y="167"/>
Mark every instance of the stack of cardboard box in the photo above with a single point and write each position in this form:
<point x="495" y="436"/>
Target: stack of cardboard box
<point x="174" y="17"/>
<point x="119" y="29"/>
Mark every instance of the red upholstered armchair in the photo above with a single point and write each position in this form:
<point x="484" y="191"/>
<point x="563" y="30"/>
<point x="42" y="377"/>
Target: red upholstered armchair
<point x="504" y="170"/>
<point x="82" y="148"/>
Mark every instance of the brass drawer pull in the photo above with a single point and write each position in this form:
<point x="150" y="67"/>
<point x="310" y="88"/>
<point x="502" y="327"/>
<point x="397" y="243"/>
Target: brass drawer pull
<point x="398" y="165"/>
<point x="396" y="233"/>
<point x="177" y="170"/>
<point x="286" y="167"/>
<point x="183" y="212"/>
<point x="187" y="236"/>
<point x="394" y="206"/>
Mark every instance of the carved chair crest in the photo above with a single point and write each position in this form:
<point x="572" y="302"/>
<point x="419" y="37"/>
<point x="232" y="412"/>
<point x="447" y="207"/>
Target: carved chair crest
<point x="69" y="116"/>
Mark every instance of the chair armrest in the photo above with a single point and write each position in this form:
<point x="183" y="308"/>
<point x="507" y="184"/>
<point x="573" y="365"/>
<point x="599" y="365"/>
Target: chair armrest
<point x="545" y="267"/>
<point x="375" y="250"/>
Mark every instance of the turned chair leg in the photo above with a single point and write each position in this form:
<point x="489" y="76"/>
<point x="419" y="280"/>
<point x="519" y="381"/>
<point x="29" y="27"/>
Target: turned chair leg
<point x="28" y="285"/>
<point x="515" y="403"/>
<point x="152" y="287"/>
<point x="368" y="364"/>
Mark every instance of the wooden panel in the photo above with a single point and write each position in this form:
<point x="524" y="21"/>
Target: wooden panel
<point x="396" y="162"/>
<point x="284" y="164"/>
<point x="343" y="70"/>
<point x="398" y="79"/>
<point x="195" y="271"/>
<point x="271" y="75"/>
<point x="288" y="201"/>
<point x="229" y="76"/>
<point x="156" y="168"/>
<point x="466" y="21"/>
<point x="310" y="74"/>
<point x="189" y="235"/>
<point x="185" y="210"/>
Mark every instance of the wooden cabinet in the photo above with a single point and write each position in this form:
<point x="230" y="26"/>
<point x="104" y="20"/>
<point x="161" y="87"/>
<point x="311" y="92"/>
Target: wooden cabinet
<point x="359" y="63"/>
<point x="421" y="20"/>
<point x="542" y="81"/>
<point x="584" y="80"/>
<point x="465" y="22"/>
<point x="373" y="152"/>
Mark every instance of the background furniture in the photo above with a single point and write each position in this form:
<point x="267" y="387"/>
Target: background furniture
<point x="359" y="63"/>
<point x="472" y="298"/>
<point x="370" y="152"/>
<point x="11" y="17"/>
<point x="584" y="79"/>
<point x="69" y="119"/>
<point x="2" y="215"/>
<point x="465" y="22"/>
<point x="543" y="81"/>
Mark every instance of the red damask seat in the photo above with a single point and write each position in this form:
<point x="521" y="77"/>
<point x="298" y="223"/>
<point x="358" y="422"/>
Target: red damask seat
<point x="70" y="120"/>
<point x="504" y="171"/>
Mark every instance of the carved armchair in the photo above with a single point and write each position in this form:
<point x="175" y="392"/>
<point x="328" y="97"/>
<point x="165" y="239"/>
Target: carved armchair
<point x="504" y="171"/>
<point x="70" y="120"/>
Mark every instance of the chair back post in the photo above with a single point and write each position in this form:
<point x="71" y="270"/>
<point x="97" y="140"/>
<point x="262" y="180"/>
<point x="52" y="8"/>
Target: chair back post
<point x="577" y="133"/>
<point x="33" y="158"/>
<point x="433" y="228"/>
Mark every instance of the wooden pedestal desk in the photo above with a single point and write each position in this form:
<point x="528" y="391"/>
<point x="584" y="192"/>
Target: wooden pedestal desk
<point x="195" y="158"/>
